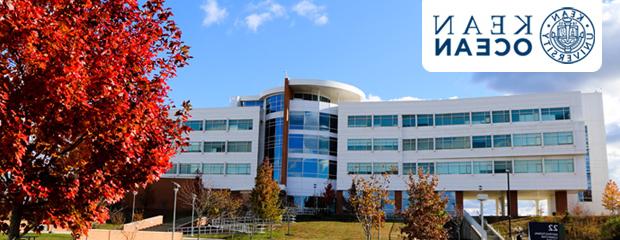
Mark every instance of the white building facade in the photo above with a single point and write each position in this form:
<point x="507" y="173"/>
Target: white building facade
<point x="322" y="132"/>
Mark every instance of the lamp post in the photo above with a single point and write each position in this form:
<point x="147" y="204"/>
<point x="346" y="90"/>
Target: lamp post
<point x="193" y="202"/>
<point x="174" y="211"/>
<point x="316" y="204"/>
<point x="133" y="205"/>
<point x="509" y="208"/>
<point x="482" y="197"/>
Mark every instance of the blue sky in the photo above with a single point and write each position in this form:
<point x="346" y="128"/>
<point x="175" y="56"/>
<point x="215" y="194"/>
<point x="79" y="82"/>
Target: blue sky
<point x="244" y="47"/>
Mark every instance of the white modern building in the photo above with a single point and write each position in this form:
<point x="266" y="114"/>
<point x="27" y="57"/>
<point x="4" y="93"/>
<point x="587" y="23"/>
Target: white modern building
<point x="323" y="132"/>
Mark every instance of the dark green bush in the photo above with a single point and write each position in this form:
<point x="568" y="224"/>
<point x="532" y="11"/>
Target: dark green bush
<point x="611" y="228"/>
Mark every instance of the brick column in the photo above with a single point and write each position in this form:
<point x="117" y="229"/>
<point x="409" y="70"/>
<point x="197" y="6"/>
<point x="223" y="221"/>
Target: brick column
<point x="339" y="202"/>
<point x="561" y="203"/>
<point x="398" y="200"/>
<point x="513" y="209"/>
<point x="459" y="200"/>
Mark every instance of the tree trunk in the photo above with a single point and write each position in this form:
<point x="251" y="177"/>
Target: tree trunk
<point x="15" y="222"/>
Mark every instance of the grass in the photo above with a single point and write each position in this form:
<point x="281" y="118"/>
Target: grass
<point x="45" y="236"/>
<point x="319" y="230"/>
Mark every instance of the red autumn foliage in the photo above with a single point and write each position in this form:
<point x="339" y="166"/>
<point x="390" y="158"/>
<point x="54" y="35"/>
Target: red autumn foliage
<point x="84" y="113"/>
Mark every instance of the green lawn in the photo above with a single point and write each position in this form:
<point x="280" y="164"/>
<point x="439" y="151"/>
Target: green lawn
<point x="320" y="230"/>
<point x="45" y="236"/>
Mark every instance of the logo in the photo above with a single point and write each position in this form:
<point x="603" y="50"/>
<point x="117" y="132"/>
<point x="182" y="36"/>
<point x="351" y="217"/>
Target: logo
<point x="567" y="35"/>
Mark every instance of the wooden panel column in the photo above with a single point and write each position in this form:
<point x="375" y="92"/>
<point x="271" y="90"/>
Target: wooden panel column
<point x="339" y="202"/>
<point x="459" y="200"/>
<point x="398" y="200"/>
<point x="288" y="94"/>
<point x="513" y="209"/>
<point x="561" y="203"/>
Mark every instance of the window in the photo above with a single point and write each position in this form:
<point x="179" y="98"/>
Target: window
<point x="559" y="166"/>
<point x="360" y="121"/>
<point x="189" y="168"/>
<point x="385" y="120"/>
<point x="172" y="170"/>
<point x="240" y="124"/>
<point x="480" y="117"/>
<point x="452" y="143"/>
<point x="192" y="147"/>
<point x="453" y="167"/>
<point x="333" y="169"/>
<point x="481" y="141"/>
<point x="310" y="166"/>
<point x="558" y="138"/>
<point x="359" y="168"/>
<point x="425" y="120"/>
<point x="425" y="144"/>
<point x="409" y="168"/>
<point x="501" y="116"/>
<point x="408" y="120"/>
<point x="502" y="141"/>
<point x="296" y="120"/>
<point x="333" y="146"/>
<point x="323" y="145"/>
<point x="311" y="144"/>
<point x="527" y="139"/>
<point x="215" y="125"/>
<point x="359" y="144"/>
<point x="295" y="167"/>
<point x="241" y="146"/>
<point x="408" y="144"/>
<point x="427" y="167"/>
<point x="256" y="103"/>
<point x="525" y="115"/>
<point x="306" y="96"/>
<point x="238" y="169"/>
<point x="502" y="166"/>
<point x="274" y="103"/>
<point x="194" y="125"/>
<point x="296" y="143"/>
<point x="385" y="168"/>
<point x="528" y="166"/>
<point x="328" y="122"/>
<point x="323" y="168"/>
<point x="550" y="114"/>
<point x="451" y="119"/>
<point x="215" y="146"/>
<point x="483" y="167"/>
<point x="213" y="168"/>
<point x="385" y="144"/>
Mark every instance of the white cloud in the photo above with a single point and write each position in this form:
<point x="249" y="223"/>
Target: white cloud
<point x="316" y="13"/>
<point x="607" y="80"/>
<point x="213" y="13"/>
<point x="372" y="98"/>
<point x="263" y="12"/>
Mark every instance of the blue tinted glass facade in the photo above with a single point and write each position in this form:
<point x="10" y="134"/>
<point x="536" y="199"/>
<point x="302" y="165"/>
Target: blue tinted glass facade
<point x="273" y="145"/>
<point x="274" y="103"/>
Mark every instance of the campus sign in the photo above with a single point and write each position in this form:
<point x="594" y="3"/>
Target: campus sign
<point x="512" y="36"/>
<point x="545" y="231"/>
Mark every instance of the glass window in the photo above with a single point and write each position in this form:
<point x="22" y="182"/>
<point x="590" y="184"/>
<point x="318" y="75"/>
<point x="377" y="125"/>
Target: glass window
<point x="425" y="120"/>
<point x="559" y="166"/>
<point x="502" y="166"/>
<point x="257" y="103"/>
<point x="359" y="168"/>
<point x="385" y="144"/>
<point x="528" y="166"/>
<point x="359" y="144"/>
<point x="501" y="116"/>
<point x="409" y="168"/>
<point x="360" y="121"/>
<point x="311" y="121"/>
<point x="527" y="139"/>
<point x="480" y="117"/>
<point x="525" y="115"/>
<point x="333" y="146"/>
<point x="481" y="141"/>
<point x="295" y="167"/>
<point x="323" y="145"/>
<point x="213" y="168"/>
<point x="558" y="138"/>
<point x="324" y="121"/>
<point x="238" y="169"/>
<point x="173" y="169"/>
<point x="274" y="103"/>
<point x="550" y="114"/>
<point x="502" y="141"/>
<point x="451" y="119"/>
<point x="189" y="168"/>
<point x="240" y="146"/>
<point x="296" y="143"/>
<point x="452" y="143"/>
<point x="386" y="120"/>
<point x="192" y="147"/>
<point x="306" y="96"/>
<point x="408" y="120"/>
<point x="296" y="120"/>
<point x="427" y="167"/>
<point x="194" y="125"/>
<point x="483" y="167"/>
<point x="454" y="167"/>
<point x="215" y="146"/>
<point x="215" y="125"/>
<point x="333" y="169"/>
<point x="408" y="144"/>
<point x="311" y="144"/>
<point x="425" y="144"/>
<point x="310" y="167"/>
<point x="240" y="124"/>
<point x="385" y="168"/>
<point x="323" y="168"/>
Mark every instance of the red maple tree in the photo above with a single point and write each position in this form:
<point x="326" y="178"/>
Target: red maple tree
<point x="84" y="112"/>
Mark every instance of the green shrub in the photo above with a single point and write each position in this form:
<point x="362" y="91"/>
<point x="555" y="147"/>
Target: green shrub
<point x="611" y="228"/>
